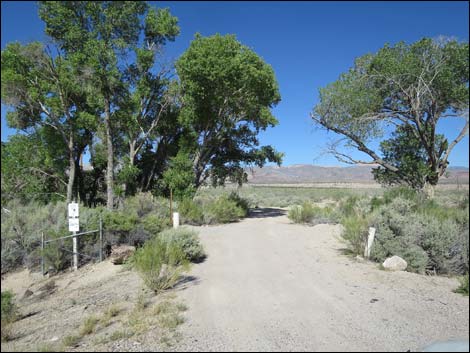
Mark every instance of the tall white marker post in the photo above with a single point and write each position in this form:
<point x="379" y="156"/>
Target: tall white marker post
<point x="74" y="228"/>
<point x="370" y="240"/>
<point x="176" y="220"/>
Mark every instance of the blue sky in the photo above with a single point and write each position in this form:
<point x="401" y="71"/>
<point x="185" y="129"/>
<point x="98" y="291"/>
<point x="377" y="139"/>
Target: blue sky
<point x="308" y="44"/>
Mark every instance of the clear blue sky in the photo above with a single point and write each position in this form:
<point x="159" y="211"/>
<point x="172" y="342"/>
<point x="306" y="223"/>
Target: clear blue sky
<point x="308" y="45"/>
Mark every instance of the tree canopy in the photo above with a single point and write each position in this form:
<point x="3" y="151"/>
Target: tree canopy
<point x="103" y="86"/>
<point x="405" y="88"/>
<point x="227" y="92"/>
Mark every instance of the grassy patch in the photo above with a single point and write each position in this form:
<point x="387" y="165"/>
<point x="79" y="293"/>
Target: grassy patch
<point x="71" y="340"/>
<point x="89" y="325"/>
<point x="110" y="312"/>
<point x="168" y="314"/>
<point x="120" y="334"/>
<point x="48" y="347"/>
<point x="170" y="321"/>
<point x="463" y="287"/>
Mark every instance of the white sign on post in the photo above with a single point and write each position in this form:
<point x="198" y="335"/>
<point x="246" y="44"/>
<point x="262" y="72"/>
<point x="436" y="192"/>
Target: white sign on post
<point x="73" y="225"/>
<point x="73" y="217"/>
<point x="73" y="210"/>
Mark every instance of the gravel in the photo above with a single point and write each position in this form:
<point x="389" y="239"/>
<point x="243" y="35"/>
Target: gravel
<point x="269" y="285"/>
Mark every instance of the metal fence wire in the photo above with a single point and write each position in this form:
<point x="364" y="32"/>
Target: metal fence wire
<point x="86" y="250"/>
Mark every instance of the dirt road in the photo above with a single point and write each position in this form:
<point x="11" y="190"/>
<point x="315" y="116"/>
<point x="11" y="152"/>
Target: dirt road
<point x="269" y="285"/>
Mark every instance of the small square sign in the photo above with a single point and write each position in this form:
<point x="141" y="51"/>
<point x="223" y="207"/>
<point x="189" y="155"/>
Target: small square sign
<point x="73" y="225"/>
<point x="73" y="210"/>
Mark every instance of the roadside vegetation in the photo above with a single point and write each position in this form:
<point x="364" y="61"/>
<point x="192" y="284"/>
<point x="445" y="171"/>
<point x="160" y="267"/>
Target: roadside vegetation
<point x="431" y="235"/>
<point x="9" y="315"/>
<point x="138" y="219"/>
<point x="463" y="287"/>
<point x="286" y="196"/>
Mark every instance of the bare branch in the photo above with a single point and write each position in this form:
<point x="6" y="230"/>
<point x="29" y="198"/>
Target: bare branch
<point x="360" y="144"/>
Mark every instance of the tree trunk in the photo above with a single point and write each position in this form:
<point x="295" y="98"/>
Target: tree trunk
<point x="71" y="170"/>
<point x="132" y="154"/>
<point x="79" y="180"/>
<point x="110" y="156"/>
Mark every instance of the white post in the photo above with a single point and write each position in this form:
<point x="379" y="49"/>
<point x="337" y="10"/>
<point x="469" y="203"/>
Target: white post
<point x="75" y="252"/>
<point x="74" y="227"/>
<point x="370" y="240"/>
<point x="176" y="219"/>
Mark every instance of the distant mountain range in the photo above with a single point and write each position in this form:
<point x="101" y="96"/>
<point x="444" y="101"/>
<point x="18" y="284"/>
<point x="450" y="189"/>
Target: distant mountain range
<point x="307" y="173"/>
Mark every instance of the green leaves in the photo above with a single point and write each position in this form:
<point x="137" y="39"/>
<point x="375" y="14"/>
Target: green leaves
<point x="227" y="92"/>
<point x="161" y="26"/>
<point x="408" y="87"/>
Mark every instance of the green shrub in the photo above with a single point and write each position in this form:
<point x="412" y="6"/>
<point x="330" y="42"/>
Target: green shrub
<point x="119" y="221"/>
<point x="347" y="206"/>
<point x="54" y="257"/>
<point x="154" y="224"/>
<point x="9" y="309"/>
<point x="188" y="241"/>
<point x="355" y="232"/>
<point x="463" y="287"/>
<point x="308" y="213"/>
<point x="240" y="202"/>
<point x="223" y="210"/>
<point x="302" y="214"/>
<point x="160" y="263"/>
<point x="9" y="315"/>
<point x="191" y="212"/>
<point x="428" y="238"/>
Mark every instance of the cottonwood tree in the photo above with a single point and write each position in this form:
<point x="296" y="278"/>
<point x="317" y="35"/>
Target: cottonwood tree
<point x="33" y="167"/>
<point x="147" y="96"/>
<point x="227" y="92"/>
<point x="43" y="93"/>
<point x="101" y="37"/>
<point x="94" y="35"/>
<point x="407" y="88"/>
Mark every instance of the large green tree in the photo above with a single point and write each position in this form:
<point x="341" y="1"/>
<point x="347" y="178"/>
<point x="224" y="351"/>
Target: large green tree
<point x="405" y="151"/>
<point x="33" y="166"/>
<point x="43" y="92"/>
<point x="147" y="98"/>
<point x="94" y="35"/>
<point x="405" y="85"/>
<point x="227" y="92"/>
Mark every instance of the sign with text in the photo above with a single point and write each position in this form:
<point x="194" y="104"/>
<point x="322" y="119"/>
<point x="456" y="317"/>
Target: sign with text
<point x="74" y="225"/>
<point x="73" y="217"/>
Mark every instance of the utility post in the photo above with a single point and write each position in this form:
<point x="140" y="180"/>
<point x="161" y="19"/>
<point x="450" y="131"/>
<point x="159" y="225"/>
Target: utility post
<point x="74" y="228"/>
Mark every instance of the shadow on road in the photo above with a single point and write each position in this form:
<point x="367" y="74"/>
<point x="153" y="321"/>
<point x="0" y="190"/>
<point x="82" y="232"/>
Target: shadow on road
<point x="185" y="282"/>
<point x="266" y="212"/>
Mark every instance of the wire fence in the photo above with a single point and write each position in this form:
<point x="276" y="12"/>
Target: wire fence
<point x="76" y="255"/>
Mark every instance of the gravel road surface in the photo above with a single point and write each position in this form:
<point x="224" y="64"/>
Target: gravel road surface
<point x="268" y="285"/>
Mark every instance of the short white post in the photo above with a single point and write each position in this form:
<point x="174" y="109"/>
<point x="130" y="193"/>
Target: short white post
<point x="75" y="252"/>
<point x="176" y="219"/>
<point x="370" y="240"/>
